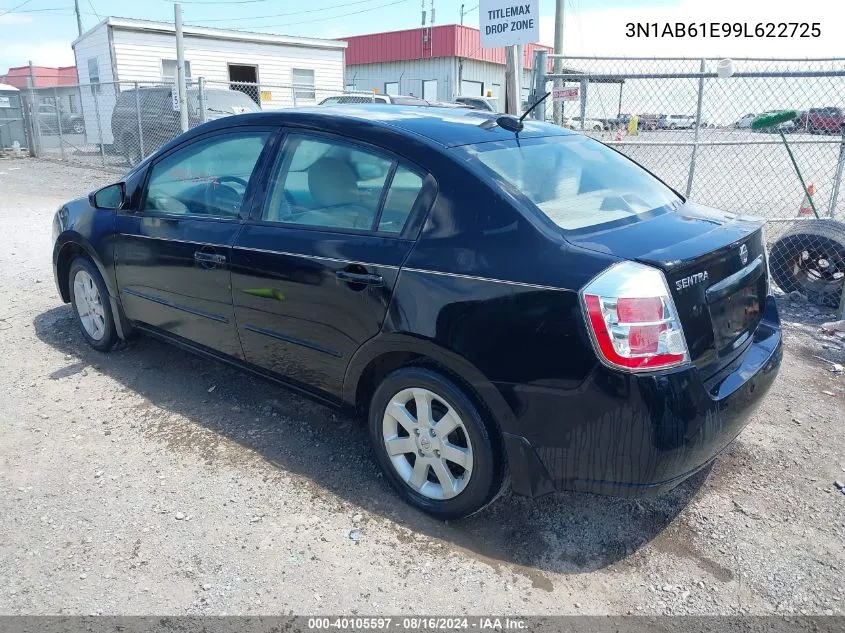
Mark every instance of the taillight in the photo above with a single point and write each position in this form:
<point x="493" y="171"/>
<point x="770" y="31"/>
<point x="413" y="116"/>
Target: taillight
<point x="632" y="319"/>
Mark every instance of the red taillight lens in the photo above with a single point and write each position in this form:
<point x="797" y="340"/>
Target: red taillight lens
<point x="632" y="319"/>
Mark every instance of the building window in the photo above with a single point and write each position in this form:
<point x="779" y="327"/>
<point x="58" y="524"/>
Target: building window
<point x="72" y="103"/>
<point x="429" y="89"/>
<point x="168" y="69"/>
<point x="472" y="88"/>
<point x="303" y="85"/>
<point x="93" y="71"/>
<point x="391" y="87"/>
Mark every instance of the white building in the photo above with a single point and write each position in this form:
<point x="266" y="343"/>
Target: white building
<point x="117" y="52"/>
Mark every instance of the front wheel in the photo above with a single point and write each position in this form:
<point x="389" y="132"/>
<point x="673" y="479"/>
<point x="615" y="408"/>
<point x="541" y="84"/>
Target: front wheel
<point x="78" y="127"/>
<point x="90" y="299"/>
<point x="433" y="445"/>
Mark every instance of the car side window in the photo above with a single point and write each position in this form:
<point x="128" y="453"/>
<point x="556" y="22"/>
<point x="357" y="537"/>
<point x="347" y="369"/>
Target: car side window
<point x="326" y="183"/>
<point x="403" y="193"/>
<point x="207" y="178"/>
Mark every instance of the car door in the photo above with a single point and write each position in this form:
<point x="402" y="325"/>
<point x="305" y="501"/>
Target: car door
<point x="313" y="271"/>
<point x="172" y="250"/>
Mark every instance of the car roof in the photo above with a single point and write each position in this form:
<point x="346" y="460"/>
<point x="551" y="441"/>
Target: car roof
<point x="448" y="127"/>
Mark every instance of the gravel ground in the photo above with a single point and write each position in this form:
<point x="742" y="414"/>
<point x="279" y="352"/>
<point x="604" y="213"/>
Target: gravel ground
<point x="146" y="481"/>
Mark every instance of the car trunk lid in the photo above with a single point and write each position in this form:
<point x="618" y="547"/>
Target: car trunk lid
<point x="715" y="266"/>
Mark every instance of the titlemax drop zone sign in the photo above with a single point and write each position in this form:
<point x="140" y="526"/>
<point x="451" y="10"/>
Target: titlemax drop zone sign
<point x="509" y="22"/>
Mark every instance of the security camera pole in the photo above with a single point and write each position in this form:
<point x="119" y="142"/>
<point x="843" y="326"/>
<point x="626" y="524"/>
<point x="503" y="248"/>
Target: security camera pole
<point x="180" y="70"/>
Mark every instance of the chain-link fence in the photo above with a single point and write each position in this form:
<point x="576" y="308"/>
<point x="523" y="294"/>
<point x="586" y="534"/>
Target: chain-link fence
<point x="693" y="129"/>
<point x="116" y="125"/>
<point x="676" y="117"/>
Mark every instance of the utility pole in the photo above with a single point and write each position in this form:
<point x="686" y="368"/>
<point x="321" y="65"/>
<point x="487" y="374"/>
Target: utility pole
<point x="558" y="67"/>
<point x="431" y="20"/>
<point x="180" y="69"/>
<point x="511" y="81"/>
<point x="78" y="17"/>
<point x="462" y="13"/>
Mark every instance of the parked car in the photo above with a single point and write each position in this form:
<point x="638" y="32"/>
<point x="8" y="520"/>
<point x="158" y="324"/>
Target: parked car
<point x="619" y="121"/>
<point x="822" y="120"/>
<point x="160" y="122"/>
<point x="676" y="122"/>
<point x="373" y="257"/>
<point x="785" y="126"/>
<point x="450" y="104"/>
<point x="50" y="119"/>
<point x="574" y="123"/>
<point x="371" y="97"/>
<point x="744" y="123"/>
<point x="489" y="104"/>
<point x="648" y="122"/>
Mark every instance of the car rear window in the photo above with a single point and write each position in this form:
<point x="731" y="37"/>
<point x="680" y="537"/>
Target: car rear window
<point x="575" y="181"/>
<point x="223" y="101"/>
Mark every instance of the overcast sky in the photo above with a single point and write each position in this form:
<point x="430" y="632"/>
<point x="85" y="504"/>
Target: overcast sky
<point x="42" y="30"/>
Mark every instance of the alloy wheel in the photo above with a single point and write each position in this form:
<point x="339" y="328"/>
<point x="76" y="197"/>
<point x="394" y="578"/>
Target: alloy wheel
<point x="427" y="443"/>
<point x="89" y="305"/>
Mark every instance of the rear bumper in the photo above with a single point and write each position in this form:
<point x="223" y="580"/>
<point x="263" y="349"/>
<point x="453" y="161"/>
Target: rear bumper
<point x="639" y="435"/>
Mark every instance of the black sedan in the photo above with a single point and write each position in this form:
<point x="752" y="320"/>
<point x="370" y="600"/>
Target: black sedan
<point x="503" y="302"/>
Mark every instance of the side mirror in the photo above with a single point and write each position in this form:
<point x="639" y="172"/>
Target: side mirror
<point x="109" y="197"/>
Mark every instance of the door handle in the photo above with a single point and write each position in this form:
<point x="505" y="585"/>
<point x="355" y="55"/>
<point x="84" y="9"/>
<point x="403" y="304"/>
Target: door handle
<point x="209" y="258"/>
<point x="359" y="278"/>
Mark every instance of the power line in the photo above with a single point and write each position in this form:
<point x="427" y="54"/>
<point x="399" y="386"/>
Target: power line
<point x="15" y="8"/>
<point x="334" y="17"/>
<point x="207" y="2"/>
<point x="281" y="15"/>
<point x="40" y="10"/>
<point x="91" y="4"/>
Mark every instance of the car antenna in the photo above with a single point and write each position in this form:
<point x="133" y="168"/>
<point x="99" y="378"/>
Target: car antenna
<point x="512" y="124"/>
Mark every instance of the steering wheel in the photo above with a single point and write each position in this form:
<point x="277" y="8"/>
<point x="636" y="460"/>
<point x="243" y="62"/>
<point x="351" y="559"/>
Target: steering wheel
<point x="219" y="197"/>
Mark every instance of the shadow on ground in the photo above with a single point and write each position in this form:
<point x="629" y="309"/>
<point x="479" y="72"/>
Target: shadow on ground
<point x="564" y="533"/>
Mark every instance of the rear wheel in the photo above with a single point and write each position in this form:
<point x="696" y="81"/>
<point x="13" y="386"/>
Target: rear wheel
<point x="433" y="445"/>
<point x="90" y="300"/>
<point x="78" y="127"/>
<point x="810" y="258"/>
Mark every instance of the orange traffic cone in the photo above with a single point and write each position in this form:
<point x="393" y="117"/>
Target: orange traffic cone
<point x="806" y="208"/>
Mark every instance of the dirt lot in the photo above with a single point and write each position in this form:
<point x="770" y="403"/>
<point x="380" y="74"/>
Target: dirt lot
<point x="146" y="481"/>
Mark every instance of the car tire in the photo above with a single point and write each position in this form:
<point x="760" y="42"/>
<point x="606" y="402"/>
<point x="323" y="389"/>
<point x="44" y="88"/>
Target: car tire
<point x="446" y="488"/>
<point x="78" y="127"/>
<point x="810" y="258"/>
<point x="90" y="300"/>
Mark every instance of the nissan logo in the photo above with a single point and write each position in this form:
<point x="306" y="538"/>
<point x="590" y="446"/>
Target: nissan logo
<point x="743" y="254"/>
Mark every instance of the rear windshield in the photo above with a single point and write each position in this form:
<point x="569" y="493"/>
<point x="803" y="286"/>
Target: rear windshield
<point x="223" y="101"/>
<point x="575" y="181"/>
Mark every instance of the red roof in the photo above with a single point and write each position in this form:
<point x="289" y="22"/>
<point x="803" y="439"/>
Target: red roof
<point x="42" y="76"/>
<point x="448" y="40"/>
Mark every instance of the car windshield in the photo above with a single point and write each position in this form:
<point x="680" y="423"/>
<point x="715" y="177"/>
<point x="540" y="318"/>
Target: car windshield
<point x="575" y="181"/>
<point x="224" y="101"/>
